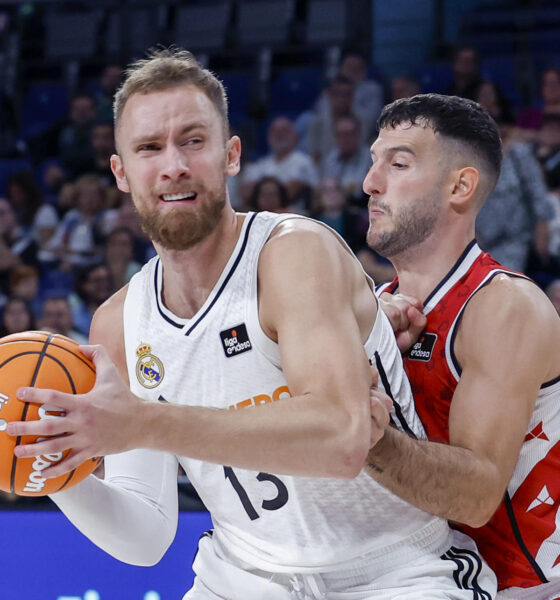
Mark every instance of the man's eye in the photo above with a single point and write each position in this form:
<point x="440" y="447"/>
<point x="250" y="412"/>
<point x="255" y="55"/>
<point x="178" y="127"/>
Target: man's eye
<point x="148" y="147"/>
<point x="399" y="165"/>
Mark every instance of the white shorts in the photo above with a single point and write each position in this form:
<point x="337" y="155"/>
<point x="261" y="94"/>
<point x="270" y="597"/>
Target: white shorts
<point x="458" y="573"/>
<point x="546" y="591"/>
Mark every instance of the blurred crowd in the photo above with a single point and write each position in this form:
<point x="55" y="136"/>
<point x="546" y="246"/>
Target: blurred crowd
<point x="69" y="238"/>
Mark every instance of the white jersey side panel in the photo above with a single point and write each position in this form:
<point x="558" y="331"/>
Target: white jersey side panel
<point x="222" y="359"/>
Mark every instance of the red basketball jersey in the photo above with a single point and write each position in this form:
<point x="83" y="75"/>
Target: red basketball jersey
<point x="522" y="540"/>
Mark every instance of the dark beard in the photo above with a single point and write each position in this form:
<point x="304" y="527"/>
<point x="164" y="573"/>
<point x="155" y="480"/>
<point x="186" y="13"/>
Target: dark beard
<point x="411" y="229"/>
<point x="182" y="229"/>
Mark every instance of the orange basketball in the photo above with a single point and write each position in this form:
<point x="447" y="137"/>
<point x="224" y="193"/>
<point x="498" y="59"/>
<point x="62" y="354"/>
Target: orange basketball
<point x="44" y="360"/>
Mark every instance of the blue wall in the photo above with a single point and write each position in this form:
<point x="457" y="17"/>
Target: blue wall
<point x="43" y="557"/>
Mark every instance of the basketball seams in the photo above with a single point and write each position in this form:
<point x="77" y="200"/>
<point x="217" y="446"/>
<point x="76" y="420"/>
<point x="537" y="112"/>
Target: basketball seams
<point x="26" y="407"/>
<point x="53" y="344"/>
<point x="59" y="349"/>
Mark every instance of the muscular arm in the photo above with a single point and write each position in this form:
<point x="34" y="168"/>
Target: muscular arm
<point x="312" y="300"/>
<point x="506" y="345"/>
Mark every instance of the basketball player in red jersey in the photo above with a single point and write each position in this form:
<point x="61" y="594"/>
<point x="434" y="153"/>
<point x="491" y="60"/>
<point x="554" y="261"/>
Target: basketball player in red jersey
<point x="485" y="370"/>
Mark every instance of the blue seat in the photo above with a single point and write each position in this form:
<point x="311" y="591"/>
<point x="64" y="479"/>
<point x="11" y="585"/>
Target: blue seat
<point x="434" y="77"/>
<point x="502" y="70"/>
<point x="238" y="88"/>
<point x="43" y="105"/>
<point x="295" y="90"/>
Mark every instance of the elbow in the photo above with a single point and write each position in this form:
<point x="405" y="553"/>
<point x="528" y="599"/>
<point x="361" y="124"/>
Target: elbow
<point x="482" y="513"/>
<point x="144" y="555"/>
<point x="352" y="448"/>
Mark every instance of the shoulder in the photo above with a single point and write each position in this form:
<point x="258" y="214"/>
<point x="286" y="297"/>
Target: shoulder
<point x="107" y="328"/>
<point x="304" y="236"/>
<point x="303" y="251"/>
<point x="513" y="296"/>
<point x="511" y="311"/>
<point x="107" y="319"/>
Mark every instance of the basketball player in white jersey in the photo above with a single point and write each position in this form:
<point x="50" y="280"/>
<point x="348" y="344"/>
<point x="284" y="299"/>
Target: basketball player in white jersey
<point x="245" y="348"/>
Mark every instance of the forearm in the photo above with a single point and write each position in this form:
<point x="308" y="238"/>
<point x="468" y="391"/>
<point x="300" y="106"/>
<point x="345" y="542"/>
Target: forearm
<point x="297" y="436"/>
<point x="444" y="480"/>
<point x="132" y="513"/>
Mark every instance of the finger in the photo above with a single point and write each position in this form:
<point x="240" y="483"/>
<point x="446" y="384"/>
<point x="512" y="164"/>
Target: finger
<point x="416" y="318"/>
<point x="52" y="426"/>
<point x="411" y="300"/>
<point x="70" y="462"/>
<point x="374" y="376"/>
<point x="44" y="396"/>
<point x="380" y="397"/>
<point x="48" y="446"/>
<point x="97" y="354"/>
<point x="380" y="416"/>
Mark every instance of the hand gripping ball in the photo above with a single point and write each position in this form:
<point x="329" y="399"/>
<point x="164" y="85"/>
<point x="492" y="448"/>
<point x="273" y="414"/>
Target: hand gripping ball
<point x="44" y="360"/>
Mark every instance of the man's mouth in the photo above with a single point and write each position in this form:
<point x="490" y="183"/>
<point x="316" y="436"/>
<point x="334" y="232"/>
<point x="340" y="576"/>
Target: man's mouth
<point x="178" y="197"/>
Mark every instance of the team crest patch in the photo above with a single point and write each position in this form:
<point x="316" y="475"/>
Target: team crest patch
<point x="423" y="348"/>
<point x="235" y="340"/>
<point x="149" y="368"/>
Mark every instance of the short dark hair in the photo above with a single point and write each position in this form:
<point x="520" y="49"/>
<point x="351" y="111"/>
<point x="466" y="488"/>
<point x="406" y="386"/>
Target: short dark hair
<point x="452" y="117"/>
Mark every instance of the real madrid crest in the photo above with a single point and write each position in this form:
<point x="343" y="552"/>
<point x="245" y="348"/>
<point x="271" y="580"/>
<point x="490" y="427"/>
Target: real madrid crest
<point x="149" y="368"/>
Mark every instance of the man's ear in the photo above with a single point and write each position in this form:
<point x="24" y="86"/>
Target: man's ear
<point x="233" y="156"/>
<point x="465" y="187"/>
<point x="118" y="172"/>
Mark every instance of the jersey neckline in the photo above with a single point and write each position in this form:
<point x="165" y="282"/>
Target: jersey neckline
<point x="189" y="325"/>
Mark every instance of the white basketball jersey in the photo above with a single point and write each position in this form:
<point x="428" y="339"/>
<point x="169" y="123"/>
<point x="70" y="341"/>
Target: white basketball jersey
<point x="221" y="358"/>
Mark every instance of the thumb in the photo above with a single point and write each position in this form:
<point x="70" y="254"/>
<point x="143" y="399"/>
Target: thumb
<point x="97" y="354"/>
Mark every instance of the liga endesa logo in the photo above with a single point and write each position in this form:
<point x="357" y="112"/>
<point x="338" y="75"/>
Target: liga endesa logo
<point x="235" y="340"/>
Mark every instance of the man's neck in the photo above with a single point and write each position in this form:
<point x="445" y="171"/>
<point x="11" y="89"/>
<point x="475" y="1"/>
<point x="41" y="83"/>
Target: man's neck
<point x="189" y="276"/>
<point x="421" y="268"/>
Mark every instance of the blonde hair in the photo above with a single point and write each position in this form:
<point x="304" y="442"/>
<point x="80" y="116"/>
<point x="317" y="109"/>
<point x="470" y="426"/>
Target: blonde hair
<point x="166" y="68"/>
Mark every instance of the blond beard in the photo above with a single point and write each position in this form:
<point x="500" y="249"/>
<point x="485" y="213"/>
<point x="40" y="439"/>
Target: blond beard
<point x="180" y="228"/>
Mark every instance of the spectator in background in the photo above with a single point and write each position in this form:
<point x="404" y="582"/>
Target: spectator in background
<point x="369" y="95"/>
<point x="16" y="317"/>
<point x="119" y="257"/>
<point x="338" y="103"/>
<point x="56" y="317"/>
<point x="74" y="142"/>
<point x="514" y="218"/>
<point x="269" y="194"/>
<point x="466" y="73"/>
<point x="547" y="150"/>
<point x="16" y="248"/>
<point x="332" y="208"/>
<point x="109" y="81"/>
<point x="291" y="166"/>
<point x="553" y="292"/>
<point x="103" y="146"/>
<point x="495" y="102"/>
<point x="24" y="284"/>
<point x="128" y="218"/>
<point x="52" y="178"/>
<point x="404" y="86"/>
<point x="349" y="161"/>
<point x="37" y="218"/>
<point x="92" y="286"/>
<point x="78" y="238"/>
<point x="531" y="118"/>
